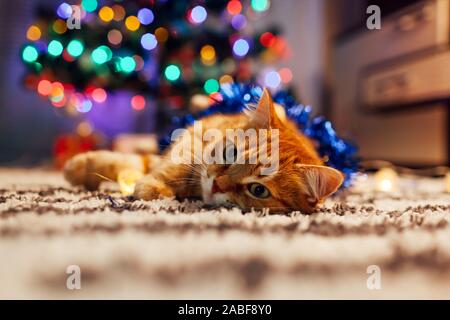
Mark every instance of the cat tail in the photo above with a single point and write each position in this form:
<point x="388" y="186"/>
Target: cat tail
<point x="92" y="168"/>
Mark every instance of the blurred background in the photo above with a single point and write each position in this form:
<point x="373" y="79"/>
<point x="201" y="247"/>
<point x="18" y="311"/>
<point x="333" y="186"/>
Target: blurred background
<point x="134" y="66"/>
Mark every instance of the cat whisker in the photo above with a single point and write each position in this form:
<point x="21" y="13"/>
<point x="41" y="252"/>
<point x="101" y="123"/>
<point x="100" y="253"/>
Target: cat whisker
<point x="102" y="176"/>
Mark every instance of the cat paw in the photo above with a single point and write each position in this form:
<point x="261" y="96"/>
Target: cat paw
<point x="75" y="171"/>
<point x="90" y="169"/>
<point x="149" y="188"/>
<point x="81" y="171"/>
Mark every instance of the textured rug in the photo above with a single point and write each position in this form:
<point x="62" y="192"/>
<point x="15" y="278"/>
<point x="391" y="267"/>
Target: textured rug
<point x="361" y="244"/>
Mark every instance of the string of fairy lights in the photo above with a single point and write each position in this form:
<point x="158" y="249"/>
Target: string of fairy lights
<point x="154" y="49"/>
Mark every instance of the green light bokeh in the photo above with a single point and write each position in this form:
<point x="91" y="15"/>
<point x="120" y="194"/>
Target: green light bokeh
<point x="101" y="55"/>
<point x="75" y="48"/>
<point x="172" y="72"/>
<point x="30" y="54"/>
<point x="260" y="5"/>
<point x="89" y="5"/>
<point x="211" y="86"/>
<point x="55" y="48"/>
<point x="127" y="64"/>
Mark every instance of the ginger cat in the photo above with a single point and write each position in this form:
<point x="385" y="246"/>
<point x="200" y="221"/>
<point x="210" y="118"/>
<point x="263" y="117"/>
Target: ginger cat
<point x="300" y="182"/>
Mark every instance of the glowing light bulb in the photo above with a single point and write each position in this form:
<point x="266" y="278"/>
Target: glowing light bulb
<point x="101" y="55"/>
<point x="99" y="95"/>
<point x="132" y="23"/>
<point x="33" y="33"/>
<point x="260" y="5"/>
<point x="84" y="129"/>
<point x="234" y="7"/>
<point x="44" y="88"/>
<point x="214" y="97"/>
<point x="285" y="74"/>
<point x="106" y="14"/>
<point x="198" y="14"/>
<point x="386" y="180"/>
<point x="127" y="179"/>
<point x="64" y="11"/>
<point x="89" y="5"/>
<point x="127" y="64"/>
<point x="138" y="102"/>
<point x="61" y="103"/>
<point x="139" y="62"/>
<point x="272" y="79"/>
<point x="226" y="79"/>
<point x="60" y="26"/>
<point x="267" y="39"/>
<point x="239" y="22"/>
<point x="172" y="72"/>
<point x="199" y="102"/>
<point x="146" y="16"/>
<point x="208" y="53"/>
<point x="75" y="48"/>
<point x="241" y="47"/>
<point x="161" y="34"/>
<point x="211" y="86"/>
<point x="30" y="54"/>
<point x="57" y="93"/>
<point x="115" y="37"/>
<point x="85" y="106"/>
<point x="119" y="12"/>
<point x="55" y="48"/>
<point x="148" y="41"/>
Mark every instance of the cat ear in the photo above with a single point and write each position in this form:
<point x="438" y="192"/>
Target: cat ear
<point x="264" y="114"/>
<point x="320" y="181"/>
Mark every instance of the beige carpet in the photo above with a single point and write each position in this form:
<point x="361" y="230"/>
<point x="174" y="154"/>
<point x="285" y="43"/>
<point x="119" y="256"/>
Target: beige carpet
<point x="167" y="249"/>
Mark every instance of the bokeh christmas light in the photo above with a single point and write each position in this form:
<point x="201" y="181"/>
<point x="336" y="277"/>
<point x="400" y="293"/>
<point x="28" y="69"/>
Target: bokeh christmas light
<point x="161" y="51"/>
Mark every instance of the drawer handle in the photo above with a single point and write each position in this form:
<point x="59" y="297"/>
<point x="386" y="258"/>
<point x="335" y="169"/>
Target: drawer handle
<point x="412" y="20"/>
<point x="397" y="82"/>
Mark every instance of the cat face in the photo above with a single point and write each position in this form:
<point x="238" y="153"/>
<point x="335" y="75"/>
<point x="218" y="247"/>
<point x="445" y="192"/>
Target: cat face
<point x="299" y="182"/>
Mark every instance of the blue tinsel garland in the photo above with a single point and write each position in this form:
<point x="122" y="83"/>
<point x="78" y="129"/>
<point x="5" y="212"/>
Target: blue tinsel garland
<point x="340" y="153"/>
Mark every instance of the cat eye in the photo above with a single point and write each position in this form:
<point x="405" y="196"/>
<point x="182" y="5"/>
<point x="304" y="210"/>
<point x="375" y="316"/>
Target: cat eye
<point x="258" y="190"/>
<point x="230" y="153"/>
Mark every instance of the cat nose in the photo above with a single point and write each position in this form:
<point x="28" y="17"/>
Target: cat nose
<point x="221" y="184"/>
<point x="215" y="187"/>
<point x="312" y="201"/>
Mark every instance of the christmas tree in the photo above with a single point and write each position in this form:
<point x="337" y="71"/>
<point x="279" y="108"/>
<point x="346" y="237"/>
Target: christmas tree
<point x="170" y="54"/>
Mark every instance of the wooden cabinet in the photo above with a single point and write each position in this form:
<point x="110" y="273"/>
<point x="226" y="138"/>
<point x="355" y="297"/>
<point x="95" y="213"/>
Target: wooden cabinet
<point x="391" y="87"/>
